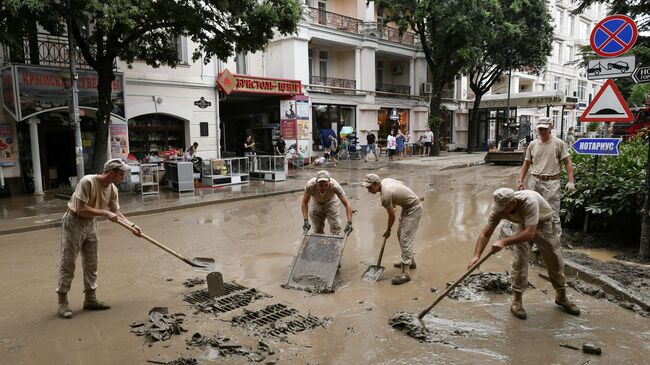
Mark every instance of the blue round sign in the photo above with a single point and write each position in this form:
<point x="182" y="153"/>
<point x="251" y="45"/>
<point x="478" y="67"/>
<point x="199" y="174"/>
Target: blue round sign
<point x="613" y="36"/>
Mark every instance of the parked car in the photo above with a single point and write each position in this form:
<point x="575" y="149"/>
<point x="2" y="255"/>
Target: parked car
<point x="620" y="65"/>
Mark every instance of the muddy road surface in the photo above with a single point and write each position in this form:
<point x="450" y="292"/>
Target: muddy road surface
<point x="254" y="243"/>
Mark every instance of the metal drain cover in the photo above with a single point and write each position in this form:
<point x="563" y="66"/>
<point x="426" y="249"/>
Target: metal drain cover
<point x="276" y="320"/>
<point x="236" y="296"/>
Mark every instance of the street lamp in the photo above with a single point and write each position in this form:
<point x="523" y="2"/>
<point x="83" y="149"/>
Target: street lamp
<point x="74" y="105"/>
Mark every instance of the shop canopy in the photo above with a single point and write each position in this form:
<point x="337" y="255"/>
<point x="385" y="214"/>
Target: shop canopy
<point x="537" y="99"/>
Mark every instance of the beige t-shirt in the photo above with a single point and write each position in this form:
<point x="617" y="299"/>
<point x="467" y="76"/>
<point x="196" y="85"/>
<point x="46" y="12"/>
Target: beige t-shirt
<point x="334" y="189"/>
<point x="94" y="195"/>
<point x="531" y="209"/>
<point x="546" y="157"/>
<point x="395" y="193"/>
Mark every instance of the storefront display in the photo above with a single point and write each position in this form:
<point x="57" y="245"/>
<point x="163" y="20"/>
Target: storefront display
<point x="392" y="119"/>
<point x="155" y="133"/>
<point x="328" y="116"/>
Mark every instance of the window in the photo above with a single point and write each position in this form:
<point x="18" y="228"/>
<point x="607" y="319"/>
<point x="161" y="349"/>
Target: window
<point x="181" y="49"/>
<point x="556" y="82"/>
<point x="310" y="55"/>
<point x="582" y="90"/>
<point x="557" y="52"/>
<point x="567" y="88"/>
<point x="379" y="77"/>
<point x="569" y="54"/>
<point x="572" y="25"/>
<point x="556" y="117"/>
<point x="203" y="128"/>
<point x="240" y="60"/>
<point x="322" y="64"/>
<point x="584" y="31"/>
<point x="559" y="21"/>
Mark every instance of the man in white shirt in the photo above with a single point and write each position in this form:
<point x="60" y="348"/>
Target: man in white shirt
<point x="428" y="142"/>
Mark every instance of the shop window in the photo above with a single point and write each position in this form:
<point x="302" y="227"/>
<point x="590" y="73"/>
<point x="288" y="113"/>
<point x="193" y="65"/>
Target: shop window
<point x="334" y="117"/>
<point x="152" y="134"/>
<point x="386" y="123"/>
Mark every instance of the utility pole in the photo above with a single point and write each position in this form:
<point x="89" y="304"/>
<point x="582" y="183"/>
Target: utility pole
<point x="74" y="106"/>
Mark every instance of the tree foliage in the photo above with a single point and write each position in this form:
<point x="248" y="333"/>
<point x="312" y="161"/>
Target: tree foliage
<point x="105" y="30"/>
<point x="517" y="35"/>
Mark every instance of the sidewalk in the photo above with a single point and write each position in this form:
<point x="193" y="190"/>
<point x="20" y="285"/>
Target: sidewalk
<point x="27" y="213"/>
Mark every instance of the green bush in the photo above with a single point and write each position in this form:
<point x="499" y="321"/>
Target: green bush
<point x="613" y="195"/>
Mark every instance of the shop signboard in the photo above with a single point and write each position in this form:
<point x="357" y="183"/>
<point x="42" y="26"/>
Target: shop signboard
<point x="597" y="146"/>
<point x="230" y="83"/>
<point x="8" y="92"/>
<point x="7" y="145"/>
<point x="119" y="140"/>
<point x="42" y="88"/>
<point x="394" y="115"/>
<point x="288" y="128"/>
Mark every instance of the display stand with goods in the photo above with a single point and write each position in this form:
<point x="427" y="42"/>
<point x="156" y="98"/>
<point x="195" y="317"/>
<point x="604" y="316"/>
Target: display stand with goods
<point x="271" y="168"/>
<point x="225" y="171"/>
<point x="149" y="179"/>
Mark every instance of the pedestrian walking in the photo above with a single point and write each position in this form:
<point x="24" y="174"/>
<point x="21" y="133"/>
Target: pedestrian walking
<point x="94" y="196"/>
<point x="428" y="142"/>
<point x="281" y="146"/>
<point x="391" y="144"/>
<point x="395" y="194"/>
<point x="249" y="146"/>
<point x="570" y="137"/>
<point x="400" y="139"/>
<point x="544" y="157"/>
<point x="333" y="149"/>
<point x="326" y="193"/>
<point x="371" y="147"/>
<point x="529" y="208"/>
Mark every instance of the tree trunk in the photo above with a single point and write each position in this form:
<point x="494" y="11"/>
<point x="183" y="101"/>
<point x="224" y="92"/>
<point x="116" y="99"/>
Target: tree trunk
<point x="32" y="36"/>
<point x="434" y="110"/>
<point x="104" y="107"/>
<point x="644" y="246"/>
<point x="472" y="127"/>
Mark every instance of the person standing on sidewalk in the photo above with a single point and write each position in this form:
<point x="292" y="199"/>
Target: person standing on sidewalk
<point x="94" y="196"/>
<point x="529" y="208"/>
<point x="371" y="146"/>
<point x="544" y="157"/>
<point x="393" y="194"/>
<point x="391" y="145"/>
<point x="400" y="140"/>
<point x="428" y="142"/>
<point x="326" y="193"/>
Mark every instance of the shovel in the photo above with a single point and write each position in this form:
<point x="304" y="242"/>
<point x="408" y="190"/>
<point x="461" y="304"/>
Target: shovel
<point x="198" y="263"/>
<point x="452" y="286"/>
<point x="373" y="273"/>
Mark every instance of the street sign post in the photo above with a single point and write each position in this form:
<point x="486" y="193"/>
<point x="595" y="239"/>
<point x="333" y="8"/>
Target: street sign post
<point x="613" y="35"/>
<point x="597" y="146"/>
<point x="608" y="106"/>
<point x="641" y="74"/>
<point x="611" y="68"/>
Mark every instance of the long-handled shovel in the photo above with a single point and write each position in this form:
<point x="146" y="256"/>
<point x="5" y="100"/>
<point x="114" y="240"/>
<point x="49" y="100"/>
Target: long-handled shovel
<point x="373" y="273"/>
<point x="204" y="264"/>
<point x="452" y="286"/>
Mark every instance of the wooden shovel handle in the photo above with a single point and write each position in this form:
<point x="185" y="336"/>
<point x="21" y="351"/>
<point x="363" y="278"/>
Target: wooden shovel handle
<point x="160" y="245"/>
<point x="381" y="252"/>
<point x="452" y="286"/>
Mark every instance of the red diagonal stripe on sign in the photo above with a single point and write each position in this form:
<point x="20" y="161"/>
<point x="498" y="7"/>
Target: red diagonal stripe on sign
<point x="613" y="36"/>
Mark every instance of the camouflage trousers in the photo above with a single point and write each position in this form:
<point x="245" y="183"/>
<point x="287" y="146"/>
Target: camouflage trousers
<point x="78" y="235"/>
<point x="408" y="226"/>
<point x="548" y="241"/>
<point x="328" y="210"/>
<point x="550" y="191"/>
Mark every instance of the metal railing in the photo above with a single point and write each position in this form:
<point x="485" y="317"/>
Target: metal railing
<point x="52" y="51"/>
<point x="393" y="35"/>
<point x="331" y="81"/>
<point x="393" y="88"/>
<point x="335" y="21"/>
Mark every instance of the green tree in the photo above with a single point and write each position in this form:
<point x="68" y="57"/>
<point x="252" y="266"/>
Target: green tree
<point x="517" y="35"/>
<point x="105" y="30"/>
<point x="639" y="94"/>
<point x="447" y="32"/>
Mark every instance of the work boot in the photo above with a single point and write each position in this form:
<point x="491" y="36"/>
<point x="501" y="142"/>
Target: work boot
<point x="91" y="302"/>
<point x="564" y="302"/>
<point x="517" y="307"/>
<point x="398" y="264"/>
<point x="403" y="277"/>
<point x="64" y="308"/>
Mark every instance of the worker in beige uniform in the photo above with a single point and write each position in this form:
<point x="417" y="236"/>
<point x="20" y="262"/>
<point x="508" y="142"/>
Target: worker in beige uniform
<point x="326" y="193"/>
<point x="544" y="157"/>
<point x="529" y="208"/>
<point x="395" y="194"/>
<point x="94" y="196"/>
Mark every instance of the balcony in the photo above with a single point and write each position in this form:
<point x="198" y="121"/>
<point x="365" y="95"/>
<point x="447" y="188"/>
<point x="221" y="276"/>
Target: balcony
<point x="333" y="85"/>
<point x="335" y="21"/>
<point x="393" y="35"/>
<point x="52" y="51"/>
<point x="393" y="88"/>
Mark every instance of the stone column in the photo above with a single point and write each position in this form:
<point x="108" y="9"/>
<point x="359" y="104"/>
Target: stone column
<point x="357" y="67"/>
<point x="412" y="82"/>
<point x="36" y="156"/>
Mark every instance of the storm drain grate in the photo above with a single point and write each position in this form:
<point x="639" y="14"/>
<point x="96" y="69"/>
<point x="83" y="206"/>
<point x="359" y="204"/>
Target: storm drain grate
<point x="236" y="296"/>
<point x="276" y="320"/>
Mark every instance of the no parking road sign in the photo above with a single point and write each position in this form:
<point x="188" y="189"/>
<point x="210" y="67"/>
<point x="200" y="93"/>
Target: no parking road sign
<point x="597" y="146"/>
<point x="613" y="36"/>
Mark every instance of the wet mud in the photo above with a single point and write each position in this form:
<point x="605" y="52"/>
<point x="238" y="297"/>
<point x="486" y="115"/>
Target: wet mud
<point x="223" y="346"/>
<point x="597" y="292"/>
<point x="192" y="282"/>
<point x="161" y="325"/>
<point x="409" y="324"/>
<point x="476" y="285"/>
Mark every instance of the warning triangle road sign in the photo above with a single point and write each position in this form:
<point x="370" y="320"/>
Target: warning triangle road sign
<point x="607" y="106"/>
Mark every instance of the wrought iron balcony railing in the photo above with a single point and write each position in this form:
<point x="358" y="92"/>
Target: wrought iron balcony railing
<point x="335" y="21"/>
<point x="336" y="86"/>
<point x="393" y="88"/>
<point x="52" y="51"/>
<point x="392" y="34"/>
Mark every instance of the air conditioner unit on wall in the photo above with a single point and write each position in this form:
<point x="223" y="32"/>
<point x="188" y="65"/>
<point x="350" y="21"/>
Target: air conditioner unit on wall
<point x="426" y="88"/>
<point x="397" y="69"/>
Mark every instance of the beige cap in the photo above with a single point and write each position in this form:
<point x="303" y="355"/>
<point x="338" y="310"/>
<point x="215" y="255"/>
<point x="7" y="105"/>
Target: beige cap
<point x="116" y="163"/>
<point x="370" y="179"/>
<point x="544" y="122"/>
<point x="502" y="197"/>
<point x="322" y="175"/>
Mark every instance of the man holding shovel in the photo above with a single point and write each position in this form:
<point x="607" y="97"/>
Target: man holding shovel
<point x="393" y="194"/>
<point x="94" y="196"/>
<point x="527" y="207"/>
<point x="325" y="192"/>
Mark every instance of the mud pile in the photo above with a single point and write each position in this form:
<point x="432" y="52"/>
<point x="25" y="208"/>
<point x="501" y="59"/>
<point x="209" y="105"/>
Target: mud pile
<point x="409" y="324"/>
<point x="597" y="292"/>
<point x="161" y="325"/>
<point x="190" y="283"/>
<point x="225" y="347"/>
<point x="473" y="285"/>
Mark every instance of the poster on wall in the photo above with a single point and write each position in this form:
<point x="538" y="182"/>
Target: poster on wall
<point x="302" y="108"/>
<point x="303" y="129"/>
<point x="288" y="129"/>
<point x="304" y="147"/>
<point x="8" y="94"/>
<point x="7" y="146"/>
<point x="119" y="140"/>
<point x="287" y="109"/>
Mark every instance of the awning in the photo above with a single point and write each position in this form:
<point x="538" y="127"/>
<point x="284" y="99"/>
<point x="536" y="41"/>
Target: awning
<point x="537" y="99"/>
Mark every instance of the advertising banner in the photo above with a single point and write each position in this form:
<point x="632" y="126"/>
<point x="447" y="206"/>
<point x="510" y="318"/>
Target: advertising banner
<point x="288" y="129"/>
<point x="8" y="146"/>
<point x="303" y="130"/>
<point x="287" y="109"/>
<point x="119" y="140"/>
<point x="8" y="94"/>
<point x="302" y="108"/>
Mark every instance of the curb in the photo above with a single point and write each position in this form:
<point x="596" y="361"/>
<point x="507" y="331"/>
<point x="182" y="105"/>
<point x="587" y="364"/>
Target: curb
<point x="460" y="166"/>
